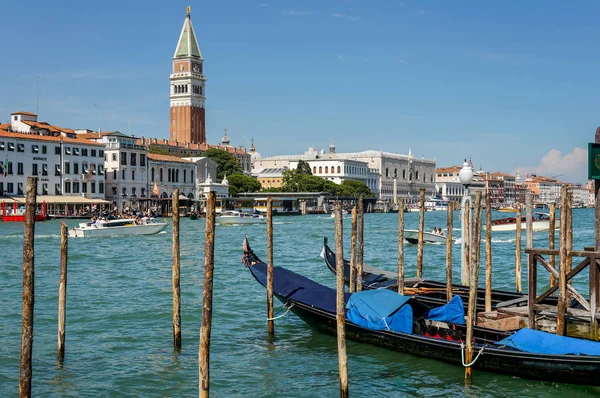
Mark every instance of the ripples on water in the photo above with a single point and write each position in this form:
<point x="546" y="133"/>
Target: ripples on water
<point x="119" y="333"/>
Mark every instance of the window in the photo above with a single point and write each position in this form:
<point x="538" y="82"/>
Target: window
<point x="133" y="192"/>
<point x="57" y="189"/>
<point x="11" y="146"/>
<point x="161" y="175"/>
<point x="34" y="169"/>
<point x="132" y="159"/>
<point x="192" y="176"/>
<point x="114" y="190"/>
<point x="35" y="149"/>
<point x="100" y="187"/>
<point x="56" y="170"/>
<point x="20" y="168"/>
<point x="20" y="188"/>
<point x="57" y="150"/>
<point x="124" y="158"/>
<point x="142" y="160"/>
<point x="92" y="187"/>
<point x="75" y="187"/>
<point x="10" y="187"/>
<point x="143" y="192"/>
<point x="44" y="169"/>
<point x="100" y="170"/>
<point x="152" y="174"/>
<point x="320" y="169"/>
<point x="1" y="170"/>
<point x="93" y="153"/>
<point x="67" y="170"/>
<point x="124" y="191"/>
<point x="44" y="189"/>
<point x="395" y="173"/>
<point x="387" y="172"/>
<point x="44" y="149"/>
<point x="75" y="168"/>
<point x="133" y="175"/>
<point x="114" y="174"/>
<point x="404" y="174"/>
<point x="84" y="152"/>
<point x="417" y="175"/>
<point x="177" y="175"/>
<point x="1" y="145"/>
<point x="67" y="187"/>
<point x="75" y="153"/>
<point x="184" y="175"/>
<point x="114" y="157"/>
<point x="123" y="174"/>
<point x="67" y="152"/>
<point x="20" y="147"/>
<point x="15" y="118"/>
<point x="84" y="187"/>
<point x="314" y="170"/>
<point x="326" y="168"/>
<point x="339" y="169"/>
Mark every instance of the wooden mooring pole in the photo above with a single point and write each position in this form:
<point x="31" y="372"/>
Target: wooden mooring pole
<point x="551" y="240"/>
<point x="529" y="234"/>
<point x="270" y="322"/>
<point x="340" y="303"/>
<point x="176" y="268"/>
<point x="207" y="296"/>
<point x="466" y="225"/>
<point x="449" y="243"/>
<point x="518" y="250"/>
<point x="421" y="228"/>
<point x="353" y="252"/>
<point x="401" y="247"/>
<point x="62" y="290"/>
<point x="488" y="254"/>
<point x="361" y="244"/>
<point x="473" y="285"/>
<point x="562" y="265"/>
<point x="28" y="289"/>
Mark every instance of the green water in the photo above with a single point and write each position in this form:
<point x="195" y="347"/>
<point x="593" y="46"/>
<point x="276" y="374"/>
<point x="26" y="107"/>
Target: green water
<point x="119" y="303"/>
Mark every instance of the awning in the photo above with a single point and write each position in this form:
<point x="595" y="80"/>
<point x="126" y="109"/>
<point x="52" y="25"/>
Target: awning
<point x="56" y="199"/>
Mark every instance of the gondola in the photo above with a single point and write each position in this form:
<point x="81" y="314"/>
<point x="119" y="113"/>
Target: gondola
<point x="432" y="292"/>
<point x="539" y="356"/>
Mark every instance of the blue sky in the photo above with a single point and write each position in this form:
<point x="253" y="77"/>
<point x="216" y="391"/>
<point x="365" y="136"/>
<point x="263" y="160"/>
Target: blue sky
<point x="510" y="84"/>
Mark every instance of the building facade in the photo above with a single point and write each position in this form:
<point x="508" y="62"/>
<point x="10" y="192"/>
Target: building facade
<point x="187" y="91"/>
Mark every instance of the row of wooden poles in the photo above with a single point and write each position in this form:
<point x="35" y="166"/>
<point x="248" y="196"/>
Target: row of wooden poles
<point x="356" y="270"/>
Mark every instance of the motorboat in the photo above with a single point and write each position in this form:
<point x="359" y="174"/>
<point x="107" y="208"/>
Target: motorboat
<point x="541" y="222"/>
<point x="118" y="227"/>
<point x="412" y="236"/>
<point x="436" y="204"/>
<point x="506" y="209"/>
<point x="344" y="212"/>
<point x="230" y="217"/>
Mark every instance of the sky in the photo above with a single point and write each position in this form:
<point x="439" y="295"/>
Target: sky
<point x="511" y="85"/>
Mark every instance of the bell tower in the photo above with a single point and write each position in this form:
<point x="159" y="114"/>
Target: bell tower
<point x="187" y="116"/>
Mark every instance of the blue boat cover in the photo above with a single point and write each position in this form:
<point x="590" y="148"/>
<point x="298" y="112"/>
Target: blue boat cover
<point x="292" y="286"/>
<point x="453" y="312"/>
<point x="380" y="310"/>
<point x="538" y="342"/>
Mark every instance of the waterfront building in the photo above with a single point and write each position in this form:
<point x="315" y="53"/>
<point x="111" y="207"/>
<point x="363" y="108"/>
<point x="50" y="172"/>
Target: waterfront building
<point x="187" y="93"/>
<point x="508" y="187"/>
<point x="69" y="169"/>
<point x="449" y="187"/>
<point x="581" y="195"/>
<point x="271" y="177"/>
<point x="545" y="189"/>
<point x="171" y="172"/>
<point x="206" y="179"/>
<point x="592" y="196"/>
<point x="494" y="189"/>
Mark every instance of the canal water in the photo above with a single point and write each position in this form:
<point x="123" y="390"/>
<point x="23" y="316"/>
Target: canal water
<point x="119" y="333"/>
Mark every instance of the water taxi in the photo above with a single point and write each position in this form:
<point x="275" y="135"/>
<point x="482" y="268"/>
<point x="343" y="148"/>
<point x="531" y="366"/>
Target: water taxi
<point x="118" y="227"/>
<point x="230" y="217"/>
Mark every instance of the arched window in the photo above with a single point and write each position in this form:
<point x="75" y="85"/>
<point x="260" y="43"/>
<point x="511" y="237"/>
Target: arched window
<point x="387" y="172"/>
<point x="326" y="169"/>
<point x="320" y="170"/>
<point x="184" y="175"/>
<point x="161" y="174"/>
<point x="339" y="169"/>
<point x="314" y="169"/>
<point x="417" y="175"/>
<point x="177" y="175"/>
<point x="404" y="174"/>
<point x="424" y="177"/>
<point x="152" y="173"/>
<point x="192" y="176"/>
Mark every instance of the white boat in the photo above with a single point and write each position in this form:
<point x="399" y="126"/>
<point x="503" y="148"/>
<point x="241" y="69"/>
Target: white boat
<point x="118" y="227"/>
<point x="541" y="222"/>
<point x="436" y="204"/>
<point x="238" y="217"/>
<point x="344" y="212"/>
<point x="412" y="236"/>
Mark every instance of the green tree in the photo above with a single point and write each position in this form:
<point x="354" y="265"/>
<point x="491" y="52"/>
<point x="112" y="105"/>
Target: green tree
<point x="239" y="183"/>
<point x="227" y="163"/>
<point x="354" y="188"/>
<point x="157" y="149"/>
<point x="304" y="167"/>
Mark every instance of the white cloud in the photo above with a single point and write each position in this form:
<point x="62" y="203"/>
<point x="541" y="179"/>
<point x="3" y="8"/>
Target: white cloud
<point x="298" y="13"/>
<point x="570" y="167"/>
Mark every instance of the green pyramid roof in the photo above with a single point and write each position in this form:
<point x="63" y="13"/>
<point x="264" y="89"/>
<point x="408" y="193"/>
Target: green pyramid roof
<point x="187" y="45"/>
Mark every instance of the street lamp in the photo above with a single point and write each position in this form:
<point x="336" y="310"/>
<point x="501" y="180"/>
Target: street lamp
<point x="466" y="178"/>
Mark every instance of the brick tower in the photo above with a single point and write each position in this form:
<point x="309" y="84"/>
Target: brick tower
<point x="187" y="120"/>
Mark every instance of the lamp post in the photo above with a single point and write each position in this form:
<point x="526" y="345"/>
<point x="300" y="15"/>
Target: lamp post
<point x="466" y="177"/>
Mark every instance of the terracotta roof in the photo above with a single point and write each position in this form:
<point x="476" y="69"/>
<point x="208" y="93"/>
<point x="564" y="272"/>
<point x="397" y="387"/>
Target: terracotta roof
<point x="4" y="126"/>
<point x="181" y="145"/>
<point x="501" y="174"/>
<point x="452" y="169"/>
<point x="167" y="158"/>
<point x="23" y="113"/>
<point x="94" y="135"/>
<point x="46" y="126"/>
<point x="36" y="137"/>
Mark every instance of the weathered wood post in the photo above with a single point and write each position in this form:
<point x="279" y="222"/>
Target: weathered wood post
<point x="594" y="274"/>
<point x="518" y="249"/>
<point x="62" y="290"/>
<point x="207" y="296"/>
<point x="551" y="240"/>
<point x="465" y="277"/>
<point x="421" y="228"/>
<point x="176" y="268"/>
<point x="340" y="303"/>
<point x="488" y="254"/>
<point x="270" y="322"/>
<point x="449" y="243"/>
<point x="361" y="244"/>
<point x="473" y="285"/>
<point x="529" y="234"/>
<point x="28" y="289"/>
<point x="353" y="252"/>
<point x="562" y="265"/>
<point x="401" y="246"/>
<point x="569" y="211"/>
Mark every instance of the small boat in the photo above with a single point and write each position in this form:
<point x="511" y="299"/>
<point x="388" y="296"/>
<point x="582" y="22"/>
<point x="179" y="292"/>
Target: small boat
<point x="118" y="227"/>
<point x="541" y="222"/>
<point x="17" y="214"/>
<point x="506" y="209"/>
<point x="436" y="204"/>
<point x="405" y="324"/>
<point x="412" y="236"/>
<point x="238" y="217"/>
<point x="193" y="216"/>
<point x="344" y="212"/>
